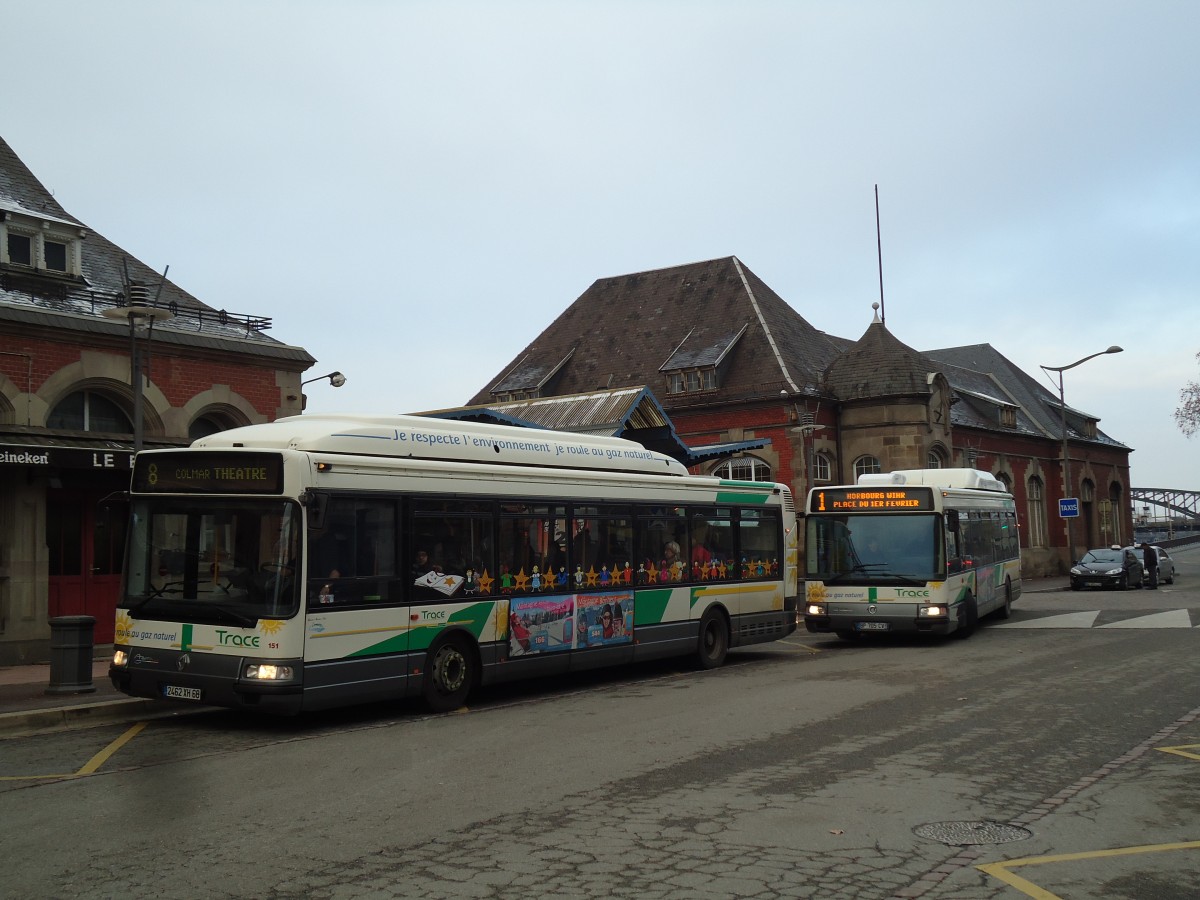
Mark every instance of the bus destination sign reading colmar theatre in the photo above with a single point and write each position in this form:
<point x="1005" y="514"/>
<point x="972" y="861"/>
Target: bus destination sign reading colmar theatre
<point x="237" y="473"/>
<point x="874" y="498"/>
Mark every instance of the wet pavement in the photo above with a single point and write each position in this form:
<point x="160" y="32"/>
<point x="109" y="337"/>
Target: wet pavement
<point x="33" y="698"/>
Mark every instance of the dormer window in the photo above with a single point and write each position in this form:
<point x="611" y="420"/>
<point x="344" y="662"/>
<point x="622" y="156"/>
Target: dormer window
<point x="692" y="380"/>
<point x="1008" y="416"/>
<point x="55" y="254"/>
<point x="20" y="249"/>
<point x="696" y="363"/>
<point x="40" y="245"/>
<point x="529" y="379"/>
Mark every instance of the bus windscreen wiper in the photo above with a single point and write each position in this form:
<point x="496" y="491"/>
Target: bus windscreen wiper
<point x="856" y="569"/>
<point x="233" y="615"/>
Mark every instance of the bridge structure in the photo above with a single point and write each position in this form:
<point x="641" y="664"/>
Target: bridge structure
<point x="1166" y="508"/>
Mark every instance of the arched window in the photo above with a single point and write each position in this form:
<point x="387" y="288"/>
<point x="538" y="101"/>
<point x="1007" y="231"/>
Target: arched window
<point x="203" y="426"/>
<point x="821" y="468"/>
<point x="866" y="465"/>
<point x="89" y="411"/>
<point x="744" y="468"/>
<point x="1005" y="480"/>
<point x="934" y="459"/>
<point x="1037" y="513"/>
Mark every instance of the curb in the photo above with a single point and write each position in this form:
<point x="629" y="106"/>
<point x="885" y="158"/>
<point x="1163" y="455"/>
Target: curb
<point x="84" y="715"/>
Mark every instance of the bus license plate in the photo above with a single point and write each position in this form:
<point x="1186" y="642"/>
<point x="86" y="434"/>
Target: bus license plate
<point x="175" y="692"/>
<point x="871" y="626"/>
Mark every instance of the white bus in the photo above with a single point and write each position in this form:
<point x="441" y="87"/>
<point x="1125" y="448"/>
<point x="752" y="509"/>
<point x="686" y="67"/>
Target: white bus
<point x="321" y="561"/>
<point x="923" y="551"/>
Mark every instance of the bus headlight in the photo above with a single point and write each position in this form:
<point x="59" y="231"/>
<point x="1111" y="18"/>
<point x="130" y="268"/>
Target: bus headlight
<point x="120" y="658"/>
<point x="932" y="612"/>
<point x="815" y="609"/>
<point x="267" y="672"/>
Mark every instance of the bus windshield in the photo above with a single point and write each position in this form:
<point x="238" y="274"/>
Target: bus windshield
<point x="219" y="562"/>
<point x="875" y="548"/>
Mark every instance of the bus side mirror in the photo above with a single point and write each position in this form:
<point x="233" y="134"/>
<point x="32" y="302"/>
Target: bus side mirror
<point x="952" y="520"/>
<point x="315" y="503"/>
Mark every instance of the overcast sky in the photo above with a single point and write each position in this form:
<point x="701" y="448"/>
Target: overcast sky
<point x="412" y="191"/>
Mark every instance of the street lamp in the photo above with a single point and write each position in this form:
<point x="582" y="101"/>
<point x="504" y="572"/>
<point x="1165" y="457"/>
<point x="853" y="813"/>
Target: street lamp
<point x="1062" y="403"/>
<point x="337" y="379"/>
<point x="141" y="319"/>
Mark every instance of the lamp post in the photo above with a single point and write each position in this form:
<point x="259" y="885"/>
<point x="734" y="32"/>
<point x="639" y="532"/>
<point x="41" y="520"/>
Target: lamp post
<point x="141" y="319"/>
<point x="336" y="379"/>
<point x="1062" y="404"/>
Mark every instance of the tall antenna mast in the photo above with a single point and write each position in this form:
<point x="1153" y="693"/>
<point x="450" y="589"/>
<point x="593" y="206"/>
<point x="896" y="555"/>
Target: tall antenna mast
<point x="879" y="250"/>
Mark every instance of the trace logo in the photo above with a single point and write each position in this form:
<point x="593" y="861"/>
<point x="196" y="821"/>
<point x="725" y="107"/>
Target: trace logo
<point x="227" y="639"/>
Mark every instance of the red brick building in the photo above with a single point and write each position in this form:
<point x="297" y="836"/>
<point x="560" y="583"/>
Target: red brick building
<point x="69" y="410"/>
<point x="732" y="363"/>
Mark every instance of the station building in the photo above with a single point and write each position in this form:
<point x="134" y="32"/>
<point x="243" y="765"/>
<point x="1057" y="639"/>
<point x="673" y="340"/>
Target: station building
<point x="75" y="312"/>
<point x="732" y="365"/>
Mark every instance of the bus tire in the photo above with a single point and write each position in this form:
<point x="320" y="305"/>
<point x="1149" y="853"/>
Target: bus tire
<point x="713" y="642"/>
<point x="968" y="616"/>
<point x="450" y="674"/>
<point x="1005" y="610"/>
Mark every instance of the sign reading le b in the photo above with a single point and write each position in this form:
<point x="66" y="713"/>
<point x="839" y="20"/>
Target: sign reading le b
<point x="1068" y="508"/>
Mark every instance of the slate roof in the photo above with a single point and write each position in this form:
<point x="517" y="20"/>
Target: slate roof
<point x="982" y="370"/>
<point x="629" y="330"/>
<point x="622" y="330"/>
<point x="78" y="305"/>
<point x="879" y="365"/>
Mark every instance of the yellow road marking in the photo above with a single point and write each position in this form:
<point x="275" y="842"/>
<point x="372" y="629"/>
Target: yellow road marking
<point x="1029" y="889"/>
<point x="92" y="765"/>
<point x="102" y="757"/>
<point x="1181" y="750"/>
<point x="802" y="646"/>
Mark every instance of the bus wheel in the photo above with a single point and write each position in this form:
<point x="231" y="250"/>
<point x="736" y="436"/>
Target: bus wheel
<point x="968" y="616"/>
<point x="449" y="675"/>
<point x="1005" y="611"/>
<point x="714" y="640"/>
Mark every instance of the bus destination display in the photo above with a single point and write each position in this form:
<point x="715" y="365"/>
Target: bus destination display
<point x="872" y="499"/>
<point x="209" y="473"/>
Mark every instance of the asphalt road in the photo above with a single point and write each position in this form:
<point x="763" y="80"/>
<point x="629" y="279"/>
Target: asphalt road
<point x="1054" y="755"/>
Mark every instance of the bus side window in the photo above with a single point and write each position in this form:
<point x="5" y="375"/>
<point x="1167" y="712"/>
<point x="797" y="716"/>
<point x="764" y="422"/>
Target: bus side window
<point x="353" y="558"/>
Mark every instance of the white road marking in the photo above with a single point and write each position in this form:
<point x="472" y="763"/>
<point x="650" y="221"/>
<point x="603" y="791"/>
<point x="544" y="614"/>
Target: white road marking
<point x="1067" y="620"/>
<point x="1173" y="618"/>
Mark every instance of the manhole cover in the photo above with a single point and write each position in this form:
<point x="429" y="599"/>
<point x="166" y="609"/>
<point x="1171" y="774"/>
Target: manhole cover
<point x="958" y="834"/>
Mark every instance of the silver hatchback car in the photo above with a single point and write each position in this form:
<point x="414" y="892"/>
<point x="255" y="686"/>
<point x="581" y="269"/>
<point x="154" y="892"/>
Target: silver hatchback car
<point x="1166" y="566"/>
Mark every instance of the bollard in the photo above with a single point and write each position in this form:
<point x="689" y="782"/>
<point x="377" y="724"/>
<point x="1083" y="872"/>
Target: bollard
<point x="71" y="646"/>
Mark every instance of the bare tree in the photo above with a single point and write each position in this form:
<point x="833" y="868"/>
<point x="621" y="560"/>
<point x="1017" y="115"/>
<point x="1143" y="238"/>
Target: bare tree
<point x="1187" y="416"/>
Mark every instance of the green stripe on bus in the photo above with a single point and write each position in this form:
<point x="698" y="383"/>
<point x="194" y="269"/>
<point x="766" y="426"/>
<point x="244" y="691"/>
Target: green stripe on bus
<point x="758" y="499"/>
<point x="761" y="485"/>
<point x="395" y="644"/>
<point x="472" y="618"/>
<point x="185" y="639"/>
<point x="650" y="607"/>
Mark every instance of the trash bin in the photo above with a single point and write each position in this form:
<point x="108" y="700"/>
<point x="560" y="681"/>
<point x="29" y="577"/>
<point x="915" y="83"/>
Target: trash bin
<point x="71" y="646"/>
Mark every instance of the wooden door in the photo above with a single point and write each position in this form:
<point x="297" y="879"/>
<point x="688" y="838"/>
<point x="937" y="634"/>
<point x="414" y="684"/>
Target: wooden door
<point x="86" y="541"/>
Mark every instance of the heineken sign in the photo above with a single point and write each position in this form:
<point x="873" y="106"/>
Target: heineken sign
<point x="65" y="457"/>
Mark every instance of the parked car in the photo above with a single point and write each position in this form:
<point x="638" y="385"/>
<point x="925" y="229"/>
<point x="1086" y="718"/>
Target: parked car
<point x="1116" y="567"/>
<point x="1166" y="566"/>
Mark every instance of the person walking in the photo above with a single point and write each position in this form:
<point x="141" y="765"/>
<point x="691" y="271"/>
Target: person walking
<point x="1150" y="563"/>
